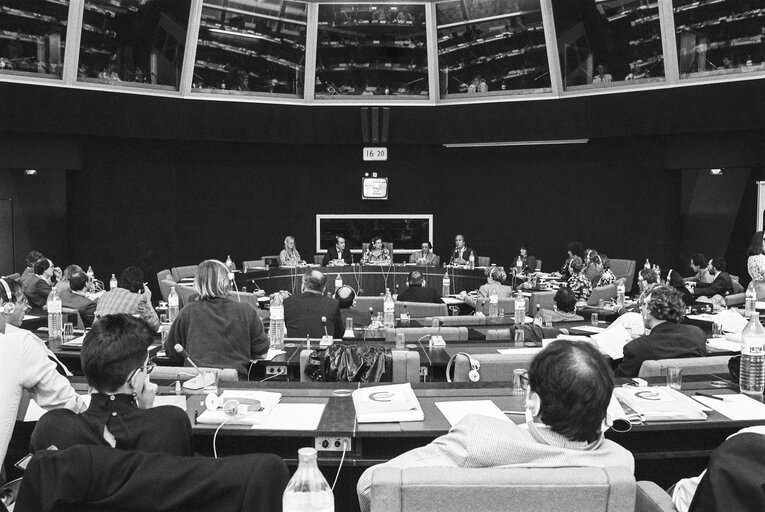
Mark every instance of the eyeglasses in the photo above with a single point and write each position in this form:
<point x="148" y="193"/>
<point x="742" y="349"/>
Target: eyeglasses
<point x="146" y="369"/>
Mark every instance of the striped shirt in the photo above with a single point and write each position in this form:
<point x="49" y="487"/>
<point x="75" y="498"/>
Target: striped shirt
<point x="120" y="300"/>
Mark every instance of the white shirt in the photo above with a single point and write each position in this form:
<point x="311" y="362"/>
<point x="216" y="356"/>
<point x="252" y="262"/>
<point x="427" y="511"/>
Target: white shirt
<point x="25" y="365"/>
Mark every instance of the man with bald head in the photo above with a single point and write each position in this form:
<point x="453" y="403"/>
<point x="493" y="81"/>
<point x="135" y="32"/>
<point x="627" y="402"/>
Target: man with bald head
<point x="416" y="291"/>
<point x="303" y="312"/>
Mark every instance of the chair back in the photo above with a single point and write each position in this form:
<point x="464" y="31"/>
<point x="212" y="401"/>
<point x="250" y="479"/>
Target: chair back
<point x="483" y="261"/>
<point x="599" y="293"/>
<point x="625" y="269"/>
<point x="248" y="298"/>
<point x="406" y="365"/>
<point x="248" y="265"/>
<point x="318" y="259"/>
<point x="508" y="304"/>
<point x="690" y="366"/>
<point x="545" y="299"/>
<point x="420" y="309"/>
<point x="494" y="367"/>
<point x="413" y="334"/>
<point x="434" y="489"/>
<point x="179" y="273"/>
<point x="71" y="312"/>
<point x="389" y="246"/>
<point x="363" y="303"/>
<point x="186" y="294"/>
<point x="186" y="372"/>
<point x="164" y="277"/>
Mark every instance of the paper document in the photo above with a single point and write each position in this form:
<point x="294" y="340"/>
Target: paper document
<point x="176" y="400"/>
<point x="392" y="403"/>
<point x="520" y="351"/>
<point x="724" y="344"/>
<point x="272" y="353"/>
<point x="735" y="406"/>
<point x="589" y="328"/>
<point x="452" y="301"/>
<point x="730" y="320"/>
<point x="293" y="417"/>
<point x="454" y="412"/>
<point x="74" y="342"/>
<point x="611" y="341"/>
<point x="660" y="403"/>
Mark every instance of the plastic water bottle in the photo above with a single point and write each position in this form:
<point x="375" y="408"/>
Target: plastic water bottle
<point x="113" y="282"/>
<point x="647" y="264"/>
<point x="276" y="322"/>
<point x="446" y="285"/>
<point x="539" y="318"/>
<point x="752" y="378"/>
<point x="750" y="304"/>
<point x="229" y="264"/>
<point x="471" y="261"/>
<point x="338" y="282"/>
<point x="493" y="304"/>
<point x="55" y="322"/>
<point x="519" y="309"/>
<point x="308" y="490"/>
<point x="172" y="305"/>
<point x="620" y="291"/>
<point x="389" y="308"/>
<point x="90" y="274"/>
<point x="518" y="266"/>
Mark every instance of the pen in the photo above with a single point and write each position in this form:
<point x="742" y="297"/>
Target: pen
<point x="707" y="395"/>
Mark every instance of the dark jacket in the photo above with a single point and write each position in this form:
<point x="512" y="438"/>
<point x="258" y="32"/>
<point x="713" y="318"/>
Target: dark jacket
<point x="360" y="318"/>
<point x="420" y="294"/>
<point x="722" y="285"/>
<point x="85" y="306"/>
<point x="465" y="255"/>
<point x="667" y="340"/>
<point x="36" y="290"/>
<point x="303" y="312"/>
<point x="332" y="255"/>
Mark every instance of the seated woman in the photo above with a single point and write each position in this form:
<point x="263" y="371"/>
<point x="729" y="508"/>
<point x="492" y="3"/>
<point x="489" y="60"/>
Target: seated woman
<point x="755" y="262"/>
<point x="216" y="330"/>
<point x="495" y="276"/>
<point x="578" y="282"/>
<point x="676" y="281"/>
<point x="608" y="276"/>
<point x="121" y="413"/>
<point x="565" y="308"/>
<point x="593" y="267"/>
<point x="376" y="254"/>
<point x="528" y="262"/>
<point x="574" y="249"/>
<point x="290" y="257"/>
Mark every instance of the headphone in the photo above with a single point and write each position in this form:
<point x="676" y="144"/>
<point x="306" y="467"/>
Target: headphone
<point x="232" y="408"/>
<point x="533" y="403"/>
<point x="9" y="307"/>
<point x="475" y="366"/>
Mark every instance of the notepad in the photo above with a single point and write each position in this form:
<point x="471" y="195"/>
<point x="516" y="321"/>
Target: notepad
<point x="736" y="406"/>
<point x="589" y="328"/>
<point x="454" y="412"/>
<point x="724" y="344"/>
<point x="520" y="351"/>
<point x="661" y="404"/>
<point x="383" y="404"/>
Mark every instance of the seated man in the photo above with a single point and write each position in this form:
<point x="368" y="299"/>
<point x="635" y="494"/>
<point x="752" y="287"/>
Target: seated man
<point x="131" y="296"/>
<point x="721" y="285"/>
<point x="76" y="298"/>
<point x="462" y="253"/>
<point x="662" y="310"/>
<point x="303" y="313"/>
<point x="495" y="276"/>
<point x="699" y="264"/>
<point x="417" y="292"/>
<point x="26" y="366"/>
<point x="32" y="258"/>
<point x="565" y="308"/>
<point x="337" y="255"/>
<point x="346" y="296"/>
<point x="569" y="388"/>
<point x="121" y="412"/>
<point x="38" y="287"/>
<point x="424" y="256"/>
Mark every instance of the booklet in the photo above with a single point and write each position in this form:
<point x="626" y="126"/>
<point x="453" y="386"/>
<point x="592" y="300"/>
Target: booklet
<point x="386" y="404"/>
<point x="660" y="403"/>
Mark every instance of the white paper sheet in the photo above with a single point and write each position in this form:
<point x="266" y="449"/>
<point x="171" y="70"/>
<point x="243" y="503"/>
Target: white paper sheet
<point x="520" y="351"/>
<point x="176" y="400"/>
<point x="293" y="417"/>
<point x="611" y="341"/>
<point x="736" y="406"/>
<point x="724" y="344"/>
<point x="452" y="301"/>
<point x="589" y="328"/>
<point x="730" y="320"/>
<point x="455" y="411"/>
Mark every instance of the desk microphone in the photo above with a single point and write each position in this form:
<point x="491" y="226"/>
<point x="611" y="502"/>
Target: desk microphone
<point x="324" y="322"/>
<point x="179" y="348"/>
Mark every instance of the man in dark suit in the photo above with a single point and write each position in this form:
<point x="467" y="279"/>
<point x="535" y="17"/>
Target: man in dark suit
<point x="461" y="254"/>
<point x="345" y="295"/>
<point x="303" y="313"/>
<point x="722" y="284"/>
<point x="416" y="292"/>
<point x="76" y="298"/>
<point x="337" y="253"/>
<point x="38" y="286"/>
<point x="669" y="339"/>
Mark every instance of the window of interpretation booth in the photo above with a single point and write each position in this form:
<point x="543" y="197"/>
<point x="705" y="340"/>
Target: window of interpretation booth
<point x="32" y="37"/>
<point x="603" y="43"/>
<point x="251" y="46"/>
<point x="133" y="43"/>
<point x="719" y="37"/>
<point x="371" y="50"/>
<point x="491" y="46"/>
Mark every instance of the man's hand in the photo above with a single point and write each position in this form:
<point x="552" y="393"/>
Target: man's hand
<point x="145" y="396"/>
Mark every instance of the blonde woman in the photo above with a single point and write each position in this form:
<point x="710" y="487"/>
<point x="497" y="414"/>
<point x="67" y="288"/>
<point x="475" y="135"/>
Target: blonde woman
<point x="217" y="330"/>
<point x="290" y="257"/>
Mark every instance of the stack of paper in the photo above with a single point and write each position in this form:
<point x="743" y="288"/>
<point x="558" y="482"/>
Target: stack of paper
<point x="611" y="341"/>
<point x="383" y="404"/>
<point x="660" y="404"/>
<point x="724" y="344"/>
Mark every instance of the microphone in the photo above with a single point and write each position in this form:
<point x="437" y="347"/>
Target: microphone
<point x="197" y="382"/>
<point x="324" y="322"/>
<point x="326" y="340"/>
<point x="182" y="351"/>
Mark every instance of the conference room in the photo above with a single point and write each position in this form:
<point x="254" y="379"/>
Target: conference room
<point x="162" y="134"/>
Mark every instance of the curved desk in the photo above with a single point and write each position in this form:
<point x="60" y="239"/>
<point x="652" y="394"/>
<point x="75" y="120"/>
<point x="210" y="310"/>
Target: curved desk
<point x="369" y="280"/>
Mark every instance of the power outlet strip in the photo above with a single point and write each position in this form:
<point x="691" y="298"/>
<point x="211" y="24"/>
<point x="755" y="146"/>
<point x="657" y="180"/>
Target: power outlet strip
<point x="276" y="370"/>
<point x="333" y="444"/>
<point x="424" y="373"/>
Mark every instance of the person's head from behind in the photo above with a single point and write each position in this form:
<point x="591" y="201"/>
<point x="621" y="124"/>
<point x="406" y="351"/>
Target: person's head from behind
<point x="717" y="264"/>
<point x="114" y="353"/>
<point x="314" y="281"/>
<point x="565" y="300"/>
<point x="662" y="303"/>
<point x="647" y="277"/>
<point x="43" y="267"/>
<point x="131" y="279"/>
<point x="211" y="280"/>
<point x="345" y="295"/>
<point x="69" y="271"/>
<point x="593" y="258"/>
<point x="675" y="280"/>
<point x="757" y="245"/>
<point x="78" y="281"/>
<point x="698" y="261"/>
<point x="496" y="274"/>
<point x="414" y="279"/>
<point x="575" y="249"/>
<point x="605" y="261"/>
<point x="570" y="386"/>
<point x="33" y="257"/>
<point x="13" y="302"/>
<point x="576" y="265"/>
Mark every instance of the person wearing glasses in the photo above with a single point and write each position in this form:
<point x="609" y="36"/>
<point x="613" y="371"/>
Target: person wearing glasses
<point x="662" y="308"/>
<point x="121" y="413"/>
<point x="26" y="367"/>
